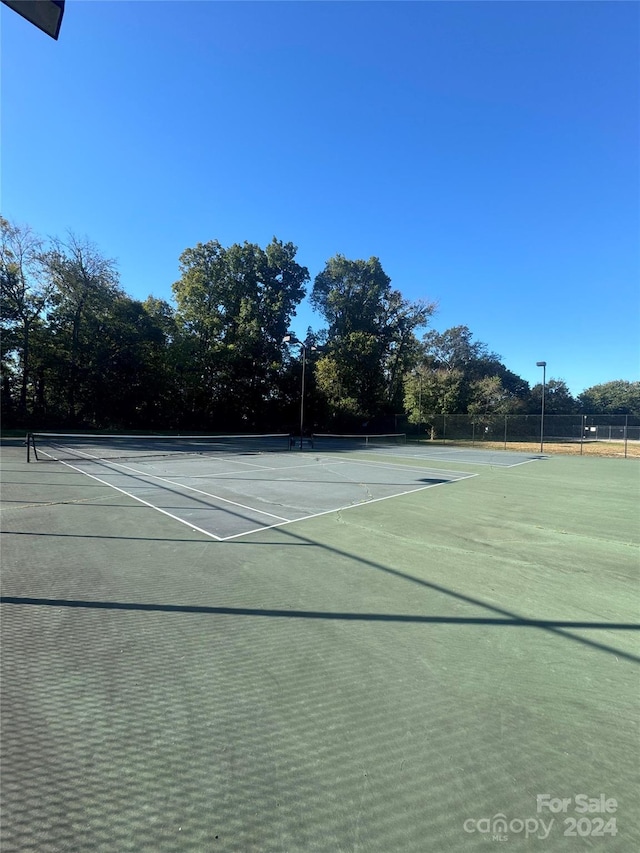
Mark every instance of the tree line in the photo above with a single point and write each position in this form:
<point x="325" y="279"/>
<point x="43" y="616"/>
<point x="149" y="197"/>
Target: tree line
<point x="78" y="353"/>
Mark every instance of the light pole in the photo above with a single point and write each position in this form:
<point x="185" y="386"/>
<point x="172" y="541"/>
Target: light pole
<point x="290" y="339"/>
<point x="543" y="365"/>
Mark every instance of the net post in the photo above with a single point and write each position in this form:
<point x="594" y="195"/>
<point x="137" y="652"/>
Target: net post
<point x="31" y="447"/>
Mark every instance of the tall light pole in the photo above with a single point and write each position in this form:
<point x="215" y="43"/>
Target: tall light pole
<point x="291" y="339"/>
<point x="543" y="365"/>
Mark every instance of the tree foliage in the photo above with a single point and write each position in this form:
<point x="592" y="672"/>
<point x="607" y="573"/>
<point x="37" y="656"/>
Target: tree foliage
<point x="234" y="306"/>
<point x="25" y="292"/>
<point x="475" y="379"/>
<point x="558" y="400"/>
<point x="429" y="391"/>
<point x="77" y="351"/>
<point x="85" y="286"/>
<point x="612" y="398"/>
<point x="371" y="336"/>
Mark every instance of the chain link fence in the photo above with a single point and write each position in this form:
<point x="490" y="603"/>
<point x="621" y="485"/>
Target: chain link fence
<point x="614" y="435"/>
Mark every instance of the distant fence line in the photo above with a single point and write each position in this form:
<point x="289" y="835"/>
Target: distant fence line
<point x="522" y="428"/>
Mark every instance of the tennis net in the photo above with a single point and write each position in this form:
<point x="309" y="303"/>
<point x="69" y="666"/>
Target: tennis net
<point x="63" y="447"/>
<point x="344" y="441"/>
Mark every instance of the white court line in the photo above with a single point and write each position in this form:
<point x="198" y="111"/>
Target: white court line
<point x="264" y="468"/>
<point x="129" y="495"/>
<point x="526" y="462"/>
<point x="405" y="467"/>
<point x="329" y="460"/>
<point x="282" y="521"/>
<point x="468" y="461"/>
<point x="173" y="483"/>
<point x="253" y="464"/>
<point x="342" y="508"/>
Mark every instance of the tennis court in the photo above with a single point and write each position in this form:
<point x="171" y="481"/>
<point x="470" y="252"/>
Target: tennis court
<point x="359" y="648"/>
<point x="226" y="487"/>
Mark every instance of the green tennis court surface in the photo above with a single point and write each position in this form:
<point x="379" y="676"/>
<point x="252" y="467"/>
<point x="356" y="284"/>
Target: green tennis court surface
<point x="391" y="667"/>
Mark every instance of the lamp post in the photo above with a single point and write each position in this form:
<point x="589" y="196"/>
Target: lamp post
<point x="543" y="365"/>
<point x="291" y="339"/>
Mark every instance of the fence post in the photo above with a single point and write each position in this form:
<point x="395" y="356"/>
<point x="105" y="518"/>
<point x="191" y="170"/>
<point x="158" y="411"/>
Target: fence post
<point x="505" y="431"/>
<point x="626" y="433"/>
<point x="473" y="433"/>
<point x="444" y="429"/>
<point x="582" y="427"/>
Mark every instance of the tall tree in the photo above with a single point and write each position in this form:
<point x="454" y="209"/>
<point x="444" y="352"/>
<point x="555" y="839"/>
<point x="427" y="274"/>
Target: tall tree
<point x="86" y="284"/>
<point x="618" y="397"/>
<point x="234" y="307"/>
<point x="370" y="336"/>
<point x="430" y="391"/>
<point x="454" y="351"/>
<point x="557" y="398"/>
<point x="489" y="398"/>
<point x="25" y="292"/>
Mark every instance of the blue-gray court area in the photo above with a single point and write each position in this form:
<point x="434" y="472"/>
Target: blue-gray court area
<point x="224" y="495"/>
<point x="459" y="455"/>
<point x="228" y="495"/>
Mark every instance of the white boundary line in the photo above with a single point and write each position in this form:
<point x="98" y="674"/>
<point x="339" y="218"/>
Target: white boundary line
<point x="282" y="522"/>
<point x="180" y="485"/>
<point x="404" y="467"/>
<point x="140" y="500"/>
<point x="342" y="508"/>
<point x="471" y="462"/>
<point x="329" y="460"/>
<point x="264" y="468"/>
<point x="427" y="471"/>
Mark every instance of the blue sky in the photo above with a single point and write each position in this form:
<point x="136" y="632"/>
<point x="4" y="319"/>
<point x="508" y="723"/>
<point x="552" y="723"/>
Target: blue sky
<point x="487" y="153"/>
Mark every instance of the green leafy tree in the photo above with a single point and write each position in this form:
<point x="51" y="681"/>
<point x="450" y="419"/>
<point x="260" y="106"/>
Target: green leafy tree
<point x="85" y="288"/>
<point x="169" y="354"/>
<point x="430" y="391"/>
<point x="234" y="307"/>
<point x="25" y="293"/>
<point x="126" y="368"/>
<point x="558" y="400"/>
<point x="489" y="398"/>
<point x="455" y="349"/>
<point x="370" y="336"/>
<point x="455" y="352"/>
<point x="618" y="397"/>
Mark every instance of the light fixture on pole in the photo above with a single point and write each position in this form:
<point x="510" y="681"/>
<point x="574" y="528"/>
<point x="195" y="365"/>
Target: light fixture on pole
<point x="291" y="339"/>
<point x="543" y="365"/>
<point x="46" y="15"/>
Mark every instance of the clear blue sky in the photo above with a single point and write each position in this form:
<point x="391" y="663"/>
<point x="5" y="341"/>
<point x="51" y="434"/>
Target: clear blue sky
<point x="487" y="153"/>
